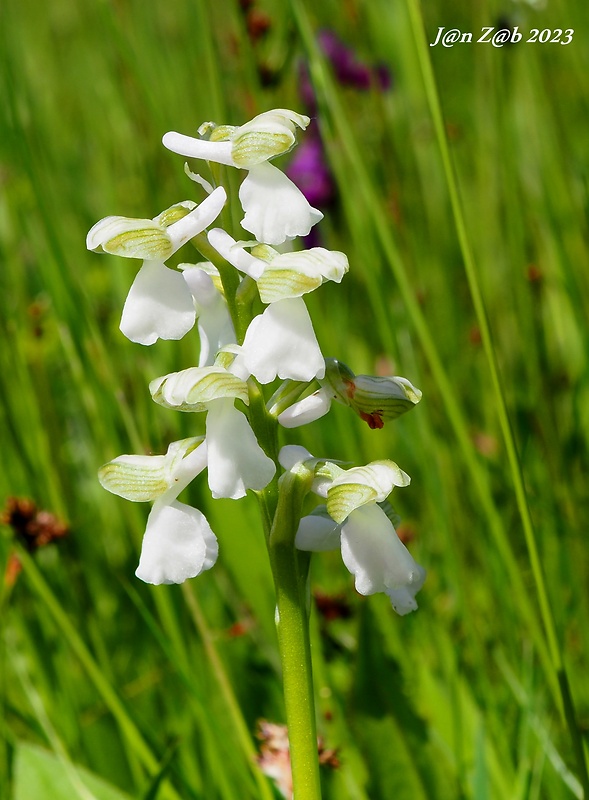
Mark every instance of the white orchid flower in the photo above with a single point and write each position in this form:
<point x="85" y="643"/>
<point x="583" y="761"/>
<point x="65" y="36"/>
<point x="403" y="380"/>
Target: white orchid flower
<point x="236" y="462"/>
<point x="280" y="342"/>
<point x="178" y="543"/>
<point x="275" y="209"/>
<point x="281" y="275"/>
<point x="159" y="304"/>
<point x="353" y="520"/>
<point x="214" y="321"/>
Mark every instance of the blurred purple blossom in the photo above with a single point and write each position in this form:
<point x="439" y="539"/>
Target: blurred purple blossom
<point x="310" y="172"/>
<point x="349" y="70"/>
<point x="309" y="169"/>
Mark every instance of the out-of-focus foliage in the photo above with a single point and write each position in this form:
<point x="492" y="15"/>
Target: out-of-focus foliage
<point x="130" y="682"/>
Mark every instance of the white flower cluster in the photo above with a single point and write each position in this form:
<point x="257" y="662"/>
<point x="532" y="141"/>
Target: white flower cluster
<point x="279" y="342"/>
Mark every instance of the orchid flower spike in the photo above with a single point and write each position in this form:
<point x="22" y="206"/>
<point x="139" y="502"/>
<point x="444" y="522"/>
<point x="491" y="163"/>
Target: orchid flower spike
<point x="354" y="520"/>
<point x="236" y="462"/>
<point x="215" y="328"/>
<point x="275" y="209"/>
<point x="178" y="543"/>
<point x="159" y="304"/>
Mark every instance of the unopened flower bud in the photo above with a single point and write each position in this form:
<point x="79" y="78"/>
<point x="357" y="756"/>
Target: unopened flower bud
<point x="375" y="399"/>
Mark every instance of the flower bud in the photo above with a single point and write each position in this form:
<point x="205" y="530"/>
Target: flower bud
<point x="375" y="399"/>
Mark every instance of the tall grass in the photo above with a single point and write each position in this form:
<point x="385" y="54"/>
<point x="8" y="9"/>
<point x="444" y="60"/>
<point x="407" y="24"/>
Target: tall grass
<point x="157" y="690"/>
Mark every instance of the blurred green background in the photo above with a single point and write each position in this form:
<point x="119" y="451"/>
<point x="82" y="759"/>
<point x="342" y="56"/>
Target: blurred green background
<point x="114" y="689"/>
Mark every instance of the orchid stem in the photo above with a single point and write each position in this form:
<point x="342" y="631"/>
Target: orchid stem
<point x="295" y="653"/>
<point x="290" y="569"/>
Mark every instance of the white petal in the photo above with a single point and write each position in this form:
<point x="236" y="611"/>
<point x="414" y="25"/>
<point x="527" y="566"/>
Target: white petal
<point x="184" y="468"/>
<point x="292" y="454"/>
<point x="236" y="460"/>
<point x="275" y="209"/>
<point x="219" y="152"/>
<point x="227" y="247"/>
<point x="178" y="544"/>
<point x="214" y="321"/>
<point x="380" y="562"/>
<point x="307" y="410"/>
<point x="159" y="305"/>
<point x="281" y="342"/>
<point x="199" y="219"/>
<point x="317" y="533"/>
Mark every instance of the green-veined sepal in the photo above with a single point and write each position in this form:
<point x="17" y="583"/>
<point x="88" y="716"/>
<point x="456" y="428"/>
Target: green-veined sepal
<point x="362" y="485"/>
<point x="130" y="238"/>
<point x="191" y="389"/>
<point x="141" y="478"/>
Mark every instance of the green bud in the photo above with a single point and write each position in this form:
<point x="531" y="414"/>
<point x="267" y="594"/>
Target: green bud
<point x="379" y="400"/>
<point x="375" y="399"/>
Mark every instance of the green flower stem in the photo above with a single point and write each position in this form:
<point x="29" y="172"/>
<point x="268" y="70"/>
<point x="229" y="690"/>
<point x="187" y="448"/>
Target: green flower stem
<point x="290" y="569"/>
<point x="567" y="707"/>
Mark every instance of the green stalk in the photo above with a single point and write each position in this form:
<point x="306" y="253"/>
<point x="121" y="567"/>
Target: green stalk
<point x="567" y="707"/>
<point x="290" y="569"/>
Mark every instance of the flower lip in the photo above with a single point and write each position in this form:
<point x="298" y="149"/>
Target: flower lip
<point x="275" y="209"/>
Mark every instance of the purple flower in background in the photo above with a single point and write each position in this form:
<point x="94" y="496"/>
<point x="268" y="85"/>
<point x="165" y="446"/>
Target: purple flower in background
<point x="348" y="69"/>
<point x="310" y="172"/>
<point x="309" y="169"/>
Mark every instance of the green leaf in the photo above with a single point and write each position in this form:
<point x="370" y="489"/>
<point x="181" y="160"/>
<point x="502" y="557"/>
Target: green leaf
<point x="41" y="775"/>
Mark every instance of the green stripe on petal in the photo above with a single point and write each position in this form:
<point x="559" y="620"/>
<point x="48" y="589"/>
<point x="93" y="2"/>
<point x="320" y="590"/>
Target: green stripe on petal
<point x="332" y="265"/>
<point x="191" y="389"/>
<point x="130" y="238"/>
<point x="253" y="147"/>
<point x="361" y="485"/>
<point x="342" y="499"/>
<point x="175" y="212"/>
<point x="137" y="478"/>
<point x="280" y="284"/>
<point x="265" y="136"/>
<point x="389" y="397"/>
